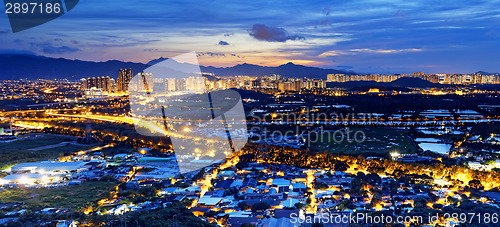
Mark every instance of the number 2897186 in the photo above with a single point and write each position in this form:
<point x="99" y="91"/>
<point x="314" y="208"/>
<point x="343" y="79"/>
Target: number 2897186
<point x="33" y="8"/>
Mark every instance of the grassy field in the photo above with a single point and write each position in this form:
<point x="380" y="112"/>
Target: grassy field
<point x="376" y="142"/>
<point x="74" y="196"/>
<point x="19" y="151"/>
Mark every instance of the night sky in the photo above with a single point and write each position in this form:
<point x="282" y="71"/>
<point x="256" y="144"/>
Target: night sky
<point x="370" y="36"/>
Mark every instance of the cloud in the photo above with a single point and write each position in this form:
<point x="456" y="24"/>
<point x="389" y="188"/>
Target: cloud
<point x="238" y="56"/>
<point x="223" y="43"/>
<point x="365" y="50"/>
<point x="385" y="51"/>
<point x="212" y="54"/>
<point x="325" y="23"/>
<point x="331" y="53"/>
<point x="48" y="48"/>
<point x="271" y="34"/>
<point x="215" y="54"/>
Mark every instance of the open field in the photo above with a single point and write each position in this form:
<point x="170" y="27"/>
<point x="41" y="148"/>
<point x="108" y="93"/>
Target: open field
<point x="376" y="142"/>
<point x="73" y="196"/>
<point x="29" y="149"/>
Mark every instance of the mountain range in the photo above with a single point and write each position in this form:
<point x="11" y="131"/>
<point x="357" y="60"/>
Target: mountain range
<point x="30" y="66"/>
<point x="22" y="66"/>
<point x="25" y="66"/>
<point x="289" y="70"/>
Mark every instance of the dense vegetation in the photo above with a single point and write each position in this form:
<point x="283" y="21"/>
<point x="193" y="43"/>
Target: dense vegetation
<point x="76" y="197"/>
<point x="173" y="215"/>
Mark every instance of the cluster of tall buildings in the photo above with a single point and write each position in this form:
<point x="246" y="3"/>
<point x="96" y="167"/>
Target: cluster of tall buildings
<point x="299" y="84"/>
<point x="147" y="82"/>
<point x="475" y="78"/>
<point x="124" y="78"/>
<point x="97" y="86"/>
<point x="218" y="83"/>
<point x="104" y="83"/>
<point x="272" y="83"/>
<point x="275" y="82"/>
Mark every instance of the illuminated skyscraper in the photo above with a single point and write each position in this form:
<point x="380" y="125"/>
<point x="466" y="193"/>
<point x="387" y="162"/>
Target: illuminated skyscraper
<point x="104" y="83"/>
<point x="124" y="78"/>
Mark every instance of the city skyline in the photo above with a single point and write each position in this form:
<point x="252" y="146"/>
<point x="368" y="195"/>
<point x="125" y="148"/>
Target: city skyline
<point x="367" y="37"/>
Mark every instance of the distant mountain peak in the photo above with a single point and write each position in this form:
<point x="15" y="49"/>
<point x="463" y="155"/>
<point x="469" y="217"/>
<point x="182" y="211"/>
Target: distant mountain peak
<point x="246" y="64"/>
<point x="485" y="73"/>
<point x="289" y="70"/>
<point x="40" y="67"/>
<point x="155" y="61"/>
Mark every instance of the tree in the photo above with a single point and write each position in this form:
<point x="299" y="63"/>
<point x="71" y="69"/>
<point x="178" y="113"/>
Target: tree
<point x="319" y="185"/>
<point x="247" y="225"/>
<point x="346" y="204"/>
<point x="476" y="184"/>
<point x="490" y="162"/>
<point x="243" y="205"/>
<point x="299" y="205"/>
<point x="241" y="165"/>
<point x="174" y="214"/>
<point x="260" y="206"/>
<point x="341" y="166"/>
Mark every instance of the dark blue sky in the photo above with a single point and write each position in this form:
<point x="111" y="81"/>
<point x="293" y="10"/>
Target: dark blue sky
<point x="370" y="36"/>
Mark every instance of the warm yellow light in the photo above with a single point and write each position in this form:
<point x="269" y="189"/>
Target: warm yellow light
<point x="24" y="180"/>
<point x="88" y="210"/>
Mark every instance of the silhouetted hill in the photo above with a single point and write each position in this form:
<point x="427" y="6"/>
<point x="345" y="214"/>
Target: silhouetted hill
<point x="489" y="87"/>
<point x="154" y="61"/>
<point x="486" y="73"/>
<point x="413" y="82"/>
<point x="37" y="67"/>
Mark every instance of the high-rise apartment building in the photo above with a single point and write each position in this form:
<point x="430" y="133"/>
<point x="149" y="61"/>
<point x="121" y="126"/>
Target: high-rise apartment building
<point x="106" y="84"/>
<point x="124" y="78"/>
